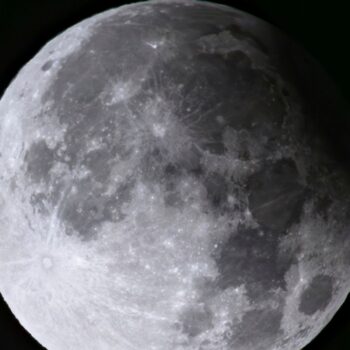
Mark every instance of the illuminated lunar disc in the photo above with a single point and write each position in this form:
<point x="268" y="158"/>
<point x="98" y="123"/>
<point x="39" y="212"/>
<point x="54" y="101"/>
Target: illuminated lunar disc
<point x="166" y="185"/>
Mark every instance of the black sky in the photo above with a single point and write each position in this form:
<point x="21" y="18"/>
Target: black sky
<point x="322" y="27"/>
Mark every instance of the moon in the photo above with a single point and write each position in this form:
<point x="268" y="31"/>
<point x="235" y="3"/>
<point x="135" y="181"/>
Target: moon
<point x="167" y="184"/>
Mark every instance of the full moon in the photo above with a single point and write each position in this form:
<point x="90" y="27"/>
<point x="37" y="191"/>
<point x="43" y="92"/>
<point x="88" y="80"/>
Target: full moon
<point x="167" y="184"/>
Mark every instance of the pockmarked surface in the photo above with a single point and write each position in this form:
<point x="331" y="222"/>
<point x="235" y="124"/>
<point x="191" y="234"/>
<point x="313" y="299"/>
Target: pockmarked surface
<point x="165" y="186"/>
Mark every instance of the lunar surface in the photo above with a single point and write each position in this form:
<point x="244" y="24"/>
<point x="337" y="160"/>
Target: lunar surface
<point x="166" y="184"/>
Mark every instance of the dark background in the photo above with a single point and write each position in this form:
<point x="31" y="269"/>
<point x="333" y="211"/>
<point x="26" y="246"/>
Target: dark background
<point x="320" y="26"/>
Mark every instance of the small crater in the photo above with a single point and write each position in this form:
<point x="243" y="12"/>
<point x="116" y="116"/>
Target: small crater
<point x="47" y="66"/>
<point x="317" y="295"/>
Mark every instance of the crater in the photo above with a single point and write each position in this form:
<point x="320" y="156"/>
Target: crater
<point x="47" y="65"/>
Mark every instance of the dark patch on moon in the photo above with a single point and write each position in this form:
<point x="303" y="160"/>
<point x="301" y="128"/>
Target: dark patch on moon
<point x="113" y="207"/>
<point x="84" y="212"/>
<point x="322" y="205"/>
<point x="317" y="295"/>
<point x="99" y="162"/>
<point x="196" y="320"/>
<point x="37" y="201"/>
<point x="86" y="209"/>
<point x="80" y="80"/>
<point x="216" y="186"/>
<point x="276" y="195"/>
<point x="252" y="257"/>
<point x="258" y="328"/>
<point x="245" y="35"/>
<point x="192" y="20"/>
<point x="153" y="165"/>
<point x="214" y="144"/>
<point x="285" y="92"/>
<point x="91" y="70"/>
<point x="172" y="176"/>
<point x="172" y="170"/>
<point x="173" y="199"/>
<point x="80" y="87"/>
<point x="39" y="159"/>
<point x="190" y="161"/>
<point x="253" y="102"/>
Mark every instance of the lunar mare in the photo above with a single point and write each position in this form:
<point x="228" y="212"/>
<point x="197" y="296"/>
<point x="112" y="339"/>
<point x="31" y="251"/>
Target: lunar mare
<point x="165" y="185"/>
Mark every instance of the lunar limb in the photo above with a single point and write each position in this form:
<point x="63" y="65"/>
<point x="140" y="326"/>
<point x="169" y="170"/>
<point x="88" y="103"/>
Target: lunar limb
<point x="165" y="185"/>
